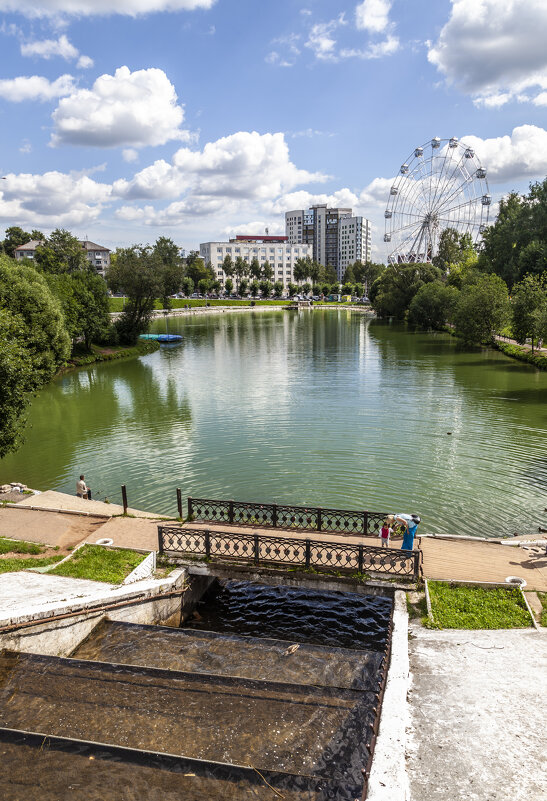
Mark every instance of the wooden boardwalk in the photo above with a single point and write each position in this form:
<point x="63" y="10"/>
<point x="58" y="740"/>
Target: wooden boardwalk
<point x="443" y="559"/>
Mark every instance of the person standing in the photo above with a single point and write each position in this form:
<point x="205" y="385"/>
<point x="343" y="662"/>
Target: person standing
<point x="385" y="533"/>
<point x="410" y="523"/>
<point x="82" y="490"/>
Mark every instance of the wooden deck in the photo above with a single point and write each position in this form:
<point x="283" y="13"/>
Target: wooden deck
<point x="444" y="559"/>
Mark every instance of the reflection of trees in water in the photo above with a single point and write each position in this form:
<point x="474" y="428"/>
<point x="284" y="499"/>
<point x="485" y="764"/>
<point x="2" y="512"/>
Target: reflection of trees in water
<point x="154" y="404"/>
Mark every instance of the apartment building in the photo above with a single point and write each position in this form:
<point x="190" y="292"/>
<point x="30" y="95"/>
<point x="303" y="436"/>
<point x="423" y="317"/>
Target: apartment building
<point x="97" y="255"/>
<point x="320" y="227"/>
<point x="353" y="242"/>
<point x="276" y="250"/>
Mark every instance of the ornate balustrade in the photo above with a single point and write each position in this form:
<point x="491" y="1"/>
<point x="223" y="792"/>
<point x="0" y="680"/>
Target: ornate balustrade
<point x="272" y="515"/>
<point x="263" y="549"/>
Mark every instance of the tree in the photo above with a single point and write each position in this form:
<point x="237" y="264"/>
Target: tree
<point x="483" y="309"/>
<point x="25" y="293"/>
<point x="187" y="286"/>
<point x="302" y="269"/>
<point x="292" y="289"/>
<point x="347" y="289"/>
<point x="325" y="289"/>
<point x="278" y="289"/>
<point x="306" y="288"/>
<point x="61" y="253"/>
<point x="503" y="241"/>
<point x="254" y="288"/>
<point x="255" y="269"/>
<point x="241" y="268"/>
<point x="243" y="286"/>
<point x="349" y="275"/>
<point x="433" y="305"/>
<point x="266" y="288"/>
<point x="84" y="301"/>
<point x="140" y="274"/>
<point x="330" y="275"/>
<point x="197" y="270"/>
<point x="229" y="286"/>
<point x="203" y="286"/>
<point x="359" y="290"/>
<point x="392" y="292"/>
<point x="15" y="237"/>
<point x="528" y="299"/>
<point x="367" y="273"/>
<point x="228" y="266"/>
<point x="15" y="381"/>
<point x="267" y="271"/>
<point x="314" y="272"/>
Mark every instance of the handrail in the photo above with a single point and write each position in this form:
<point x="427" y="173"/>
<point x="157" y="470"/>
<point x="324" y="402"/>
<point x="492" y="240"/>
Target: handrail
<point x="273" y="515"/>
<point x="265" y="549"/>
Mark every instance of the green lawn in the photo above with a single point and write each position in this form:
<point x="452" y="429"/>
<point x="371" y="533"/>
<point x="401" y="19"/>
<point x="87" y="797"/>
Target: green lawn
<point x="457" y="607"/>
<point x="543" y="598"/>
<point x="116" y="304"/>
<point x="13" y="565"/>
<point x="100" y="564"/>
<point x="18" y="546"/>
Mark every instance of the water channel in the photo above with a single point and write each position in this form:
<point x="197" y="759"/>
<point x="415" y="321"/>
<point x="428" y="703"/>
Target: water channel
<point x="325" y="407"/>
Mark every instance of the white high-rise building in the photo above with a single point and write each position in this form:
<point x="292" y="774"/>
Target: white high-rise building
<point x="321" y="228"/>
<point x="353" y="242"/>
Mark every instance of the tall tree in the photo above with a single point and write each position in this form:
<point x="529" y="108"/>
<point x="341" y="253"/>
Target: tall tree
<point x="528" y="300"/>
<point x="241" y="269"/>
<point x="255" y="269"/>
<point x="267" y="271"/>
<point x="433" y="305"/>
<point x="61" y="253"/>
<point x="15" y="237"/>
<point x="483" y="309"/>
<point x="392" y="292"/>
<point x="503" y="241"/>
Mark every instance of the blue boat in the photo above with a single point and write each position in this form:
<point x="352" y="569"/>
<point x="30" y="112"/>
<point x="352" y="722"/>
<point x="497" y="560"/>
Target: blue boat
<point x="162" y="337"/>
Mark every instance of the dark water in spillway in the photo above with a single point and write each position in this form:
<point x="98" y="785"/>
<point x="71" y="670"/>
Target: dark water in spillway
<point x="339" y="619"/>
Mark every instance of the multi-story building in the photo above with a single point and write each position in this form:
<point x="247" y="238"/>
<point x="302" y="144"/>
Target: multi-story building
<point x="276" y="250"/>
<point x="353" y="242"/>
<point x="320" y="227"/>
<point x="97" y="255"/>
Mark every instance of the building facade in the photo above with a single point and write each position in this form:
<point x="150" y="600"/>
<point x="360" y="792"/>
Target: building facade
<point x="353" y="242"/>
<point x="276" y="250"/>
<point x="97" y="255"/>
<point x="321" y="228"/>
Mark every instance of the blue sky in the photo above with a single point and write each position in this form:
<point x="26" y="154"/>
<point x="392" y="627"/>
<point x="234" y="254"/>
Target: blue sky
<point x="199" y="118"/>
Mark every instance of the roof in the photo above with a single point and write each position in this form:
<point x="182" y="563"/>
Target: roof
<point x="32" y="245"/>
<point x="259" y="238"/>
<point x="87" y="245"/>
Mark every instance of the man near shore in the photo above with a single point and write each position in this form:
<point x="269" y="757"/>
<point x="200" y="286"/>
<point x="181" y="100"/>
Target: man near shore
<point x="82" y="490"/>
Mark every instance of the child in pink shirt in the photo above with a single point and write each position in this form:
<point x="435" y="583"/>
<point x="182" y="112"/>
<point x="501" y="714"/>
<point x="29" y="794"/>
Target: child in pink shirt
<point x="385" y="533"/>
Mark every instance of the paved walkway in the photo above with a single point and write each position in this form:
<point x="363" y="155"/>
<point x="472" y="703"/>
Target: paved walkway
<point x="49" y="528"/>
<point x="477" y="715"/>
<point x="60" y="500"/>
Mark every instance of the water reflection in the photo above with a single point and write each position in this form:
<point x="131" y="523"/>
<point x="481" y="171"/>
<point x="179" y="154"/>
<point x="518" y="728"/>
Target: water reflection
<point x="319" y="407"/>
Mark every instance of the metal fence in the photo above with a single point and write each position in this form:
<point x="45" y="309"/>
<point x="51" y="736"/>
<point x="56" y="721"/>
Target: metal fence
<point x="273" y="515"/>
<point x="263" y="549"/>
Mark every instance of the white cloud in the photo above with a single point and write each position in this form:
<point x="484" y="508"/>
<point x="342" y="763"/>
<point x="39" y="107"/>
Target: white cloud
<point x="128" y="108"/>
<point x="48" y="48"/>
<point x="52" y="199"/>
<point x="85" y="62"/>
<point x="132" y="8"/>
<point x="256" y="227"/>
<point x="26" y="147"/>
<point x="513" y="158"/>
<point x="130" y="154"/>
<point x="386" y="47"/>
<point x="494" y="50"/>
<point x="321" y="41"/>
<point x="372" y="15"/>
<point x="35" y="87"/>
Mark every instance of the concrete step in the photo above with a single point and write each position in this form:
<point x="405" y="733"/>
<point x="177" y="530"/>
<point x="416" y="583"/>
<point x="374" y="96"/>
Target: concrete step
<point x="196" y="651"/>
<point x="304" y="730"/>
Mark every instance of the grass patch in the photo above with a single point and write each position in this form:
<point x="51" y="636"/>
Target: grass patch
<point x="457" y="607"/>
<point x="18" y="546"/>
<point x="116" y="304"/>
<point x="543" y="598"/>
<point x="417" y="610"/>
<point x="13" y="565"/>
<point x="80" y="357"/>
<point x="523" y="354"/>
<point x="100" y="564"/>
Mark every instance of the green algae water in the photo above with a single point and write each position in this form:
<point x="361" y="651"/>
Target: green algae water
<point x="317" y="407"/>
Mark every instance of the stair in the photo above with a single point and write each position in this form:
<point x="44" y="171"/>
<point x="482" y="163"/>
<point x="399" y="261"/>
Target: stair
<point x="231" y="655"/>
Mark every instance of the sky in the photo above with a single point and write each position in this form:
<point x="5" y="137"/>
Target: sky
<point x="198" y="119"/>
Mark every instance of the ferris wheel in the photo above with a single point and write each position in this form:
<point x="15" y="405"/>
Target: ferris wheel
<point x="441" y="185"/>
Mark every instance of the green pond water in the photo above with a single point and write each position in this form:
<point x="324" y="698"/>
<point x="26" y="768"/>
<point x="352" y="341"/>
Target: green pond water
<point x="316" y="407"/>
